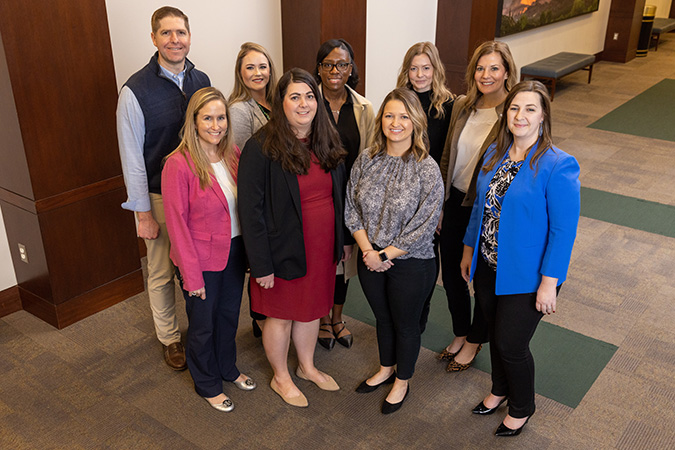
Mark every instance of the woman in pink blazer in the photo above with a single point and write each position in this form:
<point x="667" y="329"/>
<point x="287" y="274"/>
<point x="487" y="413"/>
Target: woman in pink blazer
<point x="199" y="188"/>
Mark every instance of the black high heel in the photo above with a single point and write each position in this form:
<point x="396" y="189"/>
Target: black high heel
<point x="346" y="340"/>
<point x="327" y="343"/>
<point x="484" y="410"/>
<point x="505" y="431"/>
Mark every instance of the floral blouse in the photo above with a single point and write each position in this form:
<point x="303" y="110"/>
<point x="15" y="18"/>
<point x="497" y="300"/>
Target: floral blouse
<point x="494" y="196"/>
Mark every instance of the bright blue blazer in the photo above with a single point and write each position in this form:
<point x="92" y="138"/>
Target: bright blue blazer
<point x="538" y="221"/>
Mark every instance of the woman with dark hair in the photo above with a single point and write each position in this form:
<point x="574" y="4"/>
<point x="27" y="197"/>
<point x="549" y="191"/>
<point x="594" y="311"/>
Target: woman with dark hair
<point x="490" y="75"/>
<point x="518" y="244"/>
<point x="394" y="199"/>
<point x="353" y="117"/>
<point x="199" y="186"/>
<point x="291" y="184"/>
<point x="423" y="72"/>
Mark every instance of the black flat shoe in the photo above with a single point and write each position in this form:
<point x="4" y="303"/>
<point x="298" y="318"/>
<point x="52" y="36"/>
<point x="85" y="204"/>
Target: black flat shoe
<point x="388" y="408"/>
<point x="327" y="343"/>
<point x="365" y="388"/>
<point x="346" y="340"/>
<point x="503" y="430"/>
<point x="484" y="410"/>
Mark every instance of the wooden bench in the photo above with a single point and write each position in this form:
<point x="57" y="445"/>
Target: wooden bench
<point x="661" y="25"/>
<point x="557" y="66"/>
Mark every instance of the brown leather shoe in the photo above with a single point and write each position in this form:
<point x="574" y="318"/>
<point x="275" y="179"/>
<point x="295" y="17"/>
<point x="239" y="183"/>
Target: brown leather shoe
<point x="174" y="355"/>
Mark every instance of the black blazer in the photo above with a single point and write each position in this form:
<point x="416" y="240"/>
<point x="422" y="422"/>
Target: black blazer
<point x="271" y="217"/>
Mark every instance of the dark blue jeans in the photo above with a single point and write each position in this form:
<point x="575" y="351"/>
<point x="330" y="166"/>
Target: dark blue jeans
<point x="397" y="297"/>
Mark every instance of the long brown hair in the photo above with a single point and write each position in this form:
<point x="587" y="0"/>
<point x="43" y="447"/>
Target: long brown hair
<point x="472" y="92"/>
<point x="419" y="147"/>
<point x="504" y="136"/>
<point x="189" y="143"/>
<point x="282" y="145"/>
<point x="240" y="93"/>
<point x="439" y="91"/>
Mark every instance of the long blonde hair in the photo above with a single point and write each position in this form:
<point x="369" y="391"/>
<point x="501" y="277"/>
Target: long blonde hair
<point x="189" y="143"/>
<point x="420" y="141"/>
<point x="240" y="92"/>
<point x="472" y="92"/>
<point x="439" y="91"/>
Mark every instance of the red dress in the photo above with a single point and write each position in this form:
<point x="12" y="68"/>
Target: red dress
<point x="310" y="297"/>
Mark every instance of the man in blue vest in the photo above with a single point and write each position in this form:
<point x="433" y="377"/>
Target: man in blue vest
<point x="150" y="113"/>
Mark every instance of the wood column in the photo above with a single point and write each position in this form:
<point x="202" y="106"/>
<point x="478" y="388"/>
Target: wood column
<point x="60" y="175"/>
<point x="625" y="20"/>
<point x="461" y="26"/>
<point x="306" y="24"/>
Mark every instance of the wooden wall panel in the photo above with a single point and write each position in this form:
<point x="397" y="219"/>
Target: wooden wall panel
<point x="306" y="24"/>
<point x="461" y="26"/>
<point x="625" y="18"/>
<point x="301" y="32"/>
<point x="64" y="89"/>
<point x="346" y="19"/>
<point x="14" y="173"/>
<point x="60" y="175"/>
<point x="10" y="301"/>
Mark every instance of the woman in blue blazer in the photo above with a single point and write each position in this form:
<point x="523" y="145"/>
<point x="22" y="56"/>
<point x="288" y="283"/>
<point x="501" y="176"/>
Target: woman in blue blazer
<point x="526" y="212"/>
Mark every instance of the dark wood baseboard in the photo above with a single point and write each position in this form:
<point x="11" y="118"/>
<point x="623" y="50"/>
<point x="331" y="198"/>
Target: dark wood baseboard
<point x="10" y="301"/>
<point x="85" y="305"/>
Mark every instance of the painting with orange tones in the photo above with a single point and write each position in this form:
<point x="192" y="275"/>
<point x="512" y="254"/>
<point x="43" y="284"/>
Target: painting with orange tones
<point x="521" y="15"/>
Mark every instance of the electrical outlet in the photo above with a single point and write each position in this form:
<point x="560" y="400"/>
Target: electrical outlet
<point x="23" y="254"/>
<point x="616" y="36"/>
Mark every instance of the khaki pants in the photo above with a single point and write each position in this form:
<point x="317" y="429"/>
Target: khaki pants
<point x="161" y="272"/>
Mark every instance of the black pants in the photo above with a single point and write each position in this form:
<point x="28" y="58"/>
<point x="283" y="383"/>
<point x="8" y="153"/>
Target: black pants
<point x="455" y="220"/>
<point x="427" y="303"/>
<point x="512" y="321"/>
<point x="397" y="297"/>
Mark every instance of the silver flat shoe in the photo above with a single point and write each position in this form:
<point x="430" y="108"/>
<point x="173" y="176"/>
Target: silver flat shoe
<point x="226" y="406"/>
<point x="247" y="385"/>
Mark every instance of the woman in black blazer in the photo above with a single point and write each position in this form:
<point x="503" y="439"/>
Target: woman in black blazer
<point x="291" y="197"/>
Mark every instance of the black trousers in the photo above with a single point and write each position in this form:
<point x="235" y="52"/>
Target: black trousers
<point x="427" y="303"/>
<point x="455" y="220"/>
<point x="211" y="350"/>
<point x="397" y="297"/>
<point x="512" y="321"/>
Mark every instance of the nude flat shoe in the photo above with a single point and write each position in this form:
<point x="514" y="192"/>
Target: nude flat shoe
<point x="300" y="401"/>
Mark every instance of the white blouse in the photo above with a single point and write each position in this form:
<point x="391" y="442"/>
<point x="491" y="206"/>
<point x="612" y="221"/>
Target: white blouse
<point x="470" y="141"/>
<point x="229" y="188"/>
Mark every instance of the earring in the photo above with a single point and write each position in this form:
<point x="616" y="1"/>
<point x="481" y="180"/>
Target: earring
<point x="541" y="128"/>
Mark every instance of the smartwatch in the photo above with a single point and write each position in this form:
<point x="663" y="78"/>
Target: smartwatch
<point x="383" y="256"/>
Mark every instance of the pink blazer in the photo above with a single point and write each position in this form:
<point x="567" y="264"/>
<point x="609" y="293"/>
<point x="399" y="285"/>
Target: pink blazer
<point x="198" y="221"/>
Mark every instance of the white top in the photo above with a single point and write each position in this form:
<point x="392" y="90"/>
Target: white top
<point x="229" y="188"/>
<point x="471" y="139"/>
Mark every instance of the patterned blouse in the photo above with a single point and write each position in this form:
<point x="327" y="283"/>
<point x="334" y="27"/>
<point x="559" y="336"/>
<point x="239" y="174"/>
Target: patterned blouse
<point x="494" y="196"/>
<point x="396" y="200"/>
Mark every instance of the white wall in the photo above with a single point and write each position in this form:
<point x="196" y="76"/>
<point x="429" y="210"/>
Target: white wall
<point x="392" y="27"/>
<point x="583" y="34"/>
<point x="662" y="7"/>
<point x="218" y="28"/>
<point x="7" y="276"/>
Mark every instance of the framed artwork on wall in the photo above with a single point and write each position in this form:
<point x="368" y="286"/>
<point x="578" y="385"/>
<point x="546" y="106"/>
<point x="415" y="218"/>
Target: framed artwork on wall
<point x="520" y="15"/>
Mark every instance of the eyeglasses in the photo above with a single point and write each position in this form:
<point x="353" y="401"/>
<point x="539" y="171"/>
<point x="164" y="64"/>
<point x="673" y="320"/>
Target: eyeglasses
<point x="341" y="66"/>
